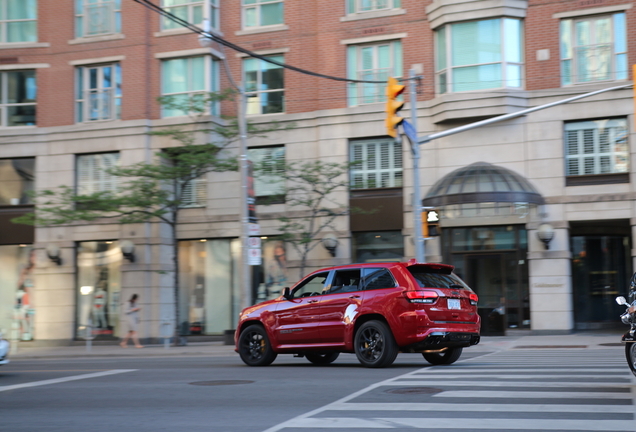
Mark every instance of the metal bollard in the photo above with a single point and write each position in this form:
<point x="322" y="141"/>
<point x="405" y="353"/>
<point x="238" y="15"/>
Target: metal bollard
<point x="15" y="334"/>
<point x="89" y="335"/>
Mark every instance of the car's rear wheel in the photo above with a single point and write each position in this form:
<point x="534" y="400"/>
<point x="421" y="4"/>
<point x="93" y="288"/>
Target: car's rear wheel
<point x="447" y="357"/>
<point x="374" y="345"/>
<point x="254" y="347"/>
<point x="322" y="358"/>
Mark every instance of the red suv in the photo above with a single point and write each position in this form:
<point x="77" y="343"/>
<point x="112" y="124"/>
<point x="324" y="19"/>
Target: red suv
<point x="375" y="310"/>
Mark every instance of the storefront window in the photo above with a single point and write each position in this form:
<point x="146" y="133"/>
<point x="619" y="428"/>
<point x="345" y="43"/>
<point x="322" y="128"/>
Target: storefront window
<point x="98" y="289"/>
<point x="378" y="246"/>
<point x="16" y="179"/>
<point x="16" y="291"/>
<point x="272" y="276"/>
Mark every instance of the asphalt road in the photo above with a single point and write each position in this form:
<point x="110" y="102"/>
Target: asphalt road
<point x="532" y="389"/>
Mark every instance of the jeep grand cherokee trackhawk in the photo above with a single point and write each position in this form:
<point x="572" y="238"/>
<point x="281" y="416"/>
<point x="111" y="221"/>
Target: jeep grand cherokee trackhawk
<point x="375" y="310"/>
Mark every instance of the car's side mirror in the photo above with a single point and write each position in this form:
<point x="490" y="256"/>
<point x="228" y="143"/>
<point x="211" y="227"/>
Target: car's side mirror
<point x="287" y="293"/>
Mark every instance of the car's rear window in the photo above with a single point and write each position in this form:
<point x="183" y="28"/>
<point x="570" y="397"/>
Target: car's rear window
<point x="431" y="278"/>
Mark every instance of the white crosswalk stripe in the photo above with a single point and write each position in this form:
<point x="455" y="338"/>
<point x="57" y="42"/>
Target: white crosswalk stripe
<point x="574" y="390"/>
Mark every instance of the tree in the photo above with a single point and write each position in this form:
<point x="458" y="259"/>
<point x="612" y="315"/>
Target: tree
<point x="158" y="190"/>
<point x="308" y="187"/>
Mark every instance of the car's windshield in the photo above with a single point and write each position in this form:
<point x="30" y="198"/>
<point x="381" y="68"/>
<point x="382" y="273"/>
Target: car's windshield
<point x="431" y="278"/>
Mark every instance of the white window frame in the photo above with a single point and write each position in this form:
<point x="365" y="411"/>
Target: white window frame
<point x="444" y="74"/>
<point x="108" y="98"/>
<point x="270" y="183"/>
<point x="211" y="81"/>
<point x="616" y="50"/>
<point x="356" y="91"/>
<point x="91" y="173"/>
<point x="364" y="6"/>
<point x="4" y="33"/>
<point x="210" y="12"/>
<point x="109" y="17"/>
<point x="371" y="173"/>
<point x="596" y="147"/>
<point x="254" y="97"/>
<point x="257" y="7"/>
<point x="5" y="105"/>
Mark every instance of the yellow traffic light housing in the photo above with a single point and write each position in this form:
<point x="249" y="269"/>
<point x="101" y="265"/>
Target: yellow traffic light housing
<point x="430" y="224"/>
<point x="393" y="90"/>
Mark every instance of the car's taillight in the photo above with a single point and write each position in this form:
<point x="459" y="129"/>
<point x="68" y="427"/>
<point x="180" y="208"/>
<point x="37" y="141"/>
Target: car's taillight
<point x="420" y="296"/>
<point x="473" y="299"/>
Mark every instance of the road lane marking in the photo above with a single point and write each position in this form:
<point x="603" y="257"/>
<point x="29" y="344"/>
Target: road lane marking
<point x="462" y="423"/>
<point x="443" y="382"/>
<point x="531" y="395"/>
<point x="65" y="379"/>
<point x="453" y="407"/>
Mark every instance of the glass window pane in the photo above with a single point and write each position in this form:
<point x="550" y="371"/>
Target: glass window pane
<point x="621" y="66"/>
<point x="118" y="79"/>
<point x="513" y="76"/>
<point x="384" y="57"/>
<point x="21" y="87"/>
<point x="367" y="58"/>
<point x="603" y="30"/>
<point x="92" y="78"/>
<point x="197" y="67"/>
<point x="197" y="15"/>
<point x="512" y="40"/>
<point x="174" y="76"/>
<point x="272" y="102"/>
<point x="22" y="9"/>
<point x="620" y="33"/>
<point x="250" y="17"/>
<point x="107" y="77"/>
<point x="566" y="39"/>
<point x="441" y="49"/>
<point x="477" y="77"/>
<point x="272" y="79"/>
<point x="272" y="14"/>
<point x="476" y="42"/>
<point x="22" y="31"/>
<point x="23" y="115"/>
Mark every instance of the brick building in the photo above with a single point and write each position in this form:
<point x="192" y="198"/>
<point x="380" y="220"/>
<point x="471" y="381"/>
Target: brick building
<point x="78" y="88"/>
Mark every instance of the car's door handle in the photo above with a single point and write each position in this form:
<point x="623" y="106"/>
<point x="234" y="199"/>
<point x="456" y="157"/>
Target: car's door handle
<point x="312" y="301"/>
<point x="354" y="296"/>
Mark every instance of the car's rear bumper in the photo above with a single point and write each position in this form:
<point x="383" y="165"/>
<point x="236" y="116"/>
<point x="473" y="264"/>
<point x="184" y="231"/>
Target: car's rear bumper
<point x="438" y="340"/>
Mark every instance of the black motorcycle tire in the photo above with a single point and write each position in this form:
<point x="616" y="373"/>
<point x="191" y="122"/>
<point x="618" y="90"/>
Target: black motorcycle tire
<point x="630" y="356"/>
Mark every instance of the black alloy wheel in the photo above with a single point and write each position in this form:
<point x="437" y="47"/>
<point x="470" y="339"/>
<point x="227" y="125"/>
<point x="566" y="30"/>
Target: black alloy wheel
<point x="374" y="345"/>
<point x="322" y="359"/>
<point x="447" y="357"/>
<point x="630" y="355"/>
<point x="254" y="347"/>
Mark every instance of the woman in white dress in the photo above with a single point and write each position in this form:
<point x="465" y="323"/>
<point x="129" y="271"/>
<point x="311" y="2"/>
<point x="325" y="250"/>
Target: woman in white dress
<point x="132" y="317"/>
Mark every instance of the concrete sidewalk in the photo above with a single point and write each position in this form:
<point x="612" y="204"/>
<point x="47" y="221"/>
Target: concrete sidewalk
<point x="520" y="340"/>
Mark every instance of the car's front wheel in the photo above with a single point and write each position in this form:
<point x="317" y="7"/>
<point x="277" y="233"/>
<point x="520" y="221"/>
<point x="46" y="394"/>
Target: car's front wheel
<point x="322" y="358"/>
<point x="447" y="357"/>
<point x="254" y="347"/>
<point x="374" y="345"/>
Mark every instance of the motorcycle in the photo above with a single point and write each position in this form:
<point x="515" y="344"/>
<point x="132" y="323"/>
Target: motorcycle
<point x="629" y="318"/>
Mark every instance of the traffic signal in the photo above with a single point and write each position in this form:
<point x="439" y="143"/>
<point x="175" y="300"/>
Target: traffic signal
<point x="393" y="90"/>
<point x="430" y="224"/>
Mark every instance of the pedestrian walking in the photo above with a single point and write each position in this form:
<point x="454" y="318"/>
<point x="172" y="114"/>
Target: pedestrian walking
<point x="132" y="317"/>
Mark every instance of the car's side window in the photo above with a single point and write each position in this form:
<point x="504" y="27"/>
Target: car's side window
<point x="345" y="281"/>
<point x="311" y="286"/>
<point x="377" y="278"/>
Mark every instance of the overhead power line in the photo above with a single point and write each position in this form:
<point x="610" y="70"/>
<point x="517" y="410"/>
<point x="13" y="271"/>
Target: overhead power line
<point x="215" y="38"/>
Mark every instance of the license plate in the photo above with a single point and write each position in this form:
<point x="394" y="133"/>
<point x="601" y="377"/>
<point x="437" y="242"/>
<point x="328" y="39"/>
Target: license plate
<point x="454" y="303"/>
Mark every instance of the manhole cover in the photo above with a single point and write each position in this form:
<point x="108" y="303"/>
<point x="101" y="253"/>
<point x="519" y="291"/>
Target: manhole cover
<point x="415" y="390"/>
<point x="551" y="346"/>
<point x="221" y="382"/>
<point x="612" y="344"/>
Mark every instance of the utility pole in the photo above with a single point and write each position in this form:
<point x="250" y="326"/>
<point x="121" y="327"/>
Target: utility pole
<point x="418" y="239"/>
<point x="245" y="279"/>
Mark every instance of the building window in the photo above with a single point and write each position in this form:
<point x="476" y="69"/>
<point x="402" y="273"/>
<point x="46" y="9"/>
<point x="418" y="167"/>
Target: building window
<point x="359" y="6"/>
<point x="479" y="55"/>
<point x="92" y="174"/>
<point x="193" y="11"/>
<point x="18" y="20"/>
<point x="269" y="184"/>
<point x="377" y="246"/>
<point x="194" y="194"/>
<point x="97" y="17"/>
<point x="596" y="147"/>
<point x="17" y="177"/>
<point x="18" y="91"/>
<point x="99" y="289"/>
<point x="264" y="84"/>
<point x="594" y="49"/>
<point x="378" y="164"/>
<point x="98" y="92"/>
<point x="185" y="78"/>
<point x="260" y="13"/>
<point x="372" y="63"/>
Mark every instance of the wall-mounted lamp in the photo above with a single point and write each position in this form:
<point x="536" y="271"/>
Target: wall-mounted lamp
<point x="53" y="252"/>
<point x="128" y="250"/>
<point x="330" y="242"/>
<point x="545" y="234"/>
